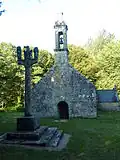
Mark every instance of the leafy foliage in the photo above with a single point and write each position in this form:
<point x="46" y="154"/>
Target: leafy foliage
<point x="1" y="11"/>
<point x="109" y="63"/>
<point x="45" y="61"/>
<point x="12" y="75"/>
<point x="10" y="80"/>
<point x="99" y="61"/>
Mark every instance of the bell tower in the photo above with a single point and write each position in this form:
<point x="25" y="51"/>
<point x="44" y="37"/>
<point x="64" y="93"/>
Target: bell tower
<point x="61" y="48"/>
<point x="60" y="35"/>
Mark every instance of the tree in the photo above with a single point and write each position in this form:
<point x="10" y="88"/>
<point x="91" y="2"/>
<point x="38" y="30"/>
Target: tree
<point x="83" y="62"/>
<point x="12" y="75"/>
<point x="99" y="62"/>
<point x="1" y="11"/>
<point x="109" y="66"/>
<point x="45" y="62"/>
<point x="10" y="78"/>
<point x="95" y="45"/>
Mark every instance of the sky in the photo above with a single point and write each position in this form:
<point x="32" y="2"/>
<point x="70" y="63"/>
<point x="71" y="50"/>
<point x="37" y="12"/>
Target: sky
<point x="30" y="22"/>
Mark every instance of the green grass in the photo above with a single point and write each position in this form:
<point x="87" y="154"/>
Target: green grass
<point x="92" y="139"/>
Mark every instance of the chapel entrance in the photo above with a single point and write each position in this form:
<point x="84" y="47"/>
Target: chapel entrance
<point x="63" y="110"/>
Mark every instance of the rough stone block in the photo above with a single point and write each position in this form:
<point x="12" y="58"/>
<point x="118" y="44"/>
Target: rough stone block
<point x="23" y="136"/>
<point x="3" y="135"/>
<point x="64" y="84"/>
<point x="56" y="139"/>
<point x="28" y="123"/>
<point x="47" y="136"/>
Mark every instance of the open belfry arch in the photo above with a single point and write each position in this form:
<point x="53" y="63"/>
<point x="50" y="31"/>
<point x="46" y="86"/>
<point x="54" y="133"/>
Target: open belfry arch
<point x="63" y="86"/>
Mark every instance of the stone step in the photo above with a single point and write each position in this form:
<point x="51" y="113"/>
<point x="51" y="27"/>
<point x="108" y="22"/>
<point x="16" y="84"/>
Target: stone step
<point x="56" y="139"/>
<point x="3" y="135"/>
<point x="44" y="136"/>
<point x="41" y="130"/>
<point x="44" y="139"/>
<point x="12" y="141"/>
<point x="22" y="136"/>
<point x="47" y="136"/>
<point x="32" y="136"/>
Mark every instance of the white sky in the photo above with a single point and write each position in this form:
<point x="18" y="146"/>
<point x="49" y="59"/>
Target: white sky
<point x="28" y="22"/>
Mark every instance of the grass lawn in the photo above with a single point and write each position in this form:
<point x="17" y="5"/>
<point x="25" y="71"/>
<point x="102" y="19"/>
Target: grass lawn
<point x="92" y="139"/>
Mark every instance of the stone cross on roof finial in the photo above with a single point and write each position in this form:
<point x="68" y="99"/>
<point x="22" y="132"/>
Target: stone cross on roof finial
<point x="60" y="16"/>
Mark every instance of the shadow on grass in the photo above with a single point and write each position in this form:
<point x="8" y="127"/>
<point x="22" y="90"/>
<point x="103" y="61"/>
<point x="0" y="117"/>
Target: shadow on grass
<point x="92" y="139"/>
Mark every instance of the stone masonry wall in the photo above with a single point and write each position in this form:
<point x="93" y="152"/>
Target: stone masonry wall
<point x="64" y="83"/>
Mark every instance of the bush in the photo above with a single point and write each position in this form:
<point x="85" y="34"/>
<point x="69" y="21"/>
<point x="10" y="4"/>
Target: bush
<point x="20" y="108"/>
<point x="2" y="109"/>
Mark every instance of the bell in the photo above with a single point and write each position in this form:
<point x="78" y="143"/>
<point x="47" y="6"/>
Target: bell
<point x="61" y="40"/>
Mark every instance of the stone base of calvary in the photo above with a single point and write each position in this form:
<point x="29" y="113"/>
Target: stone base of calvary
<point x="29" y="131"/>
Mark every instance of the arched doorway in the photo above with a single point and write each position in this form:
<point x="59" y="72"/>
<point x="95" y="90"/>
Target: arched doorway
<point x="63" y="110"/>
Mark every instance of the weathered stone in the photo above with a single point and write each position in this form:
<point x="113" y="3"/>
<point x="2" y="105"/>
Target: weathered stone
<point x="28" y="123"/>
<point x="47" y="136"/>
<point x="26" y="136"/>
<point x="12" y="141"/>
<point x="43" y="136"/>
<point x="78" y="92"/>
<point x="33" y="143"/>
<point x="44" y="139"/>
<point x="56" y="139"/>
<point x="23" y="136"/>
<point x="41" y="130"/>
<point x="62" y="144"/>
<point x="3" y="135"/>
<point x="65" y="84"/>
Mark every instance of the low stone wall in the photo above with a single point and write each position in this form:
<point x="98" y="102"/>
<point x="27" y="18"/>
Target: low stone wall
<point x="109" y="106"/>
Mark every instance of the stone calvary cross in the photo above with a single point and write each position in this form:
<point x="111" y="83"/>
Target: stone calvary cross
<point x="29" y="132"/>
<point x="27" y="62"/>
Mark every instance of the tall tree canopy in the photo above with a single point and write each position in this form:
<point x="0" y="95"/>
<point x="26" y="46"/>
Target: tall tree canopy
<point x="1" y="10"/>
<point x="12" y="75"/>
<point x="99" y="61"/>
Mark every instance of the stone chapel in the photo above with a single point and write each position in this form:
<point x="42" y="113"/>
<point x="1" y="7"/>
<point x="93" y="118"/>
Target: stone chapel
<point x="63" y="92"/>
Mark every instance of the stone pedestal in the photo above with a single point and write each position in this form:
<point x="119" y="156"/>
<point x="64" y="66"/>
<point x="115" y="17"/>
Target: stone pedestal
<point x="44" y="136"/>
<point x="28" y="123"/>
